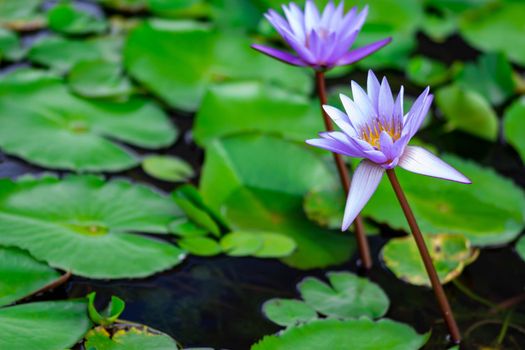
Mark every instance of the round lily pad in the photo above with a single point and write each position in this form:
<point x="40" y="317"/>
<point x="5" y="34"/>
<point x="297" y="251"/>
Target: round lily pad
<point x="99" y="78"/>
<point x="202" y="246"/>
<point x="21" y="275"/>
<point x="362" y="334"/>
<point x="468" y="111"/>
<point x="275" y="245"/>
<point x="78" y="134"/>
<point x="288" y="312"/>
<point x="65" y="18"/>
<point x="83" y="224"/>
<point x="241" y="243"/>
<point x="167" y="168"/>
<point x="153" y="47"/>
<point x="266" y="195"/>
<point x="133" y="339"/>
<point x="347" y="296"/>
<point x="44" y="325"/>
<point x="425" y="71"/>
<point x="450" y="254"/>
<point x="271" y="109"/>
<point x="514" y="126"/>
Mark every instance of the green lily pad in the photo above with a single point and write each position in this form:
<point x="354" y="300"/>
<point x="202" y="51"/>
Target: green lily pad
<point x="425" y="71"/>
<point x="360" y="334"/>
<point x="439" y="27"/>
<point x="167" y="168"/>
<point x="514" y="126"/>
<point x="22" y="275"/>
<point x="520" y="247"/>
<point x="65" y="18"/>
<point x="491" y="77"/>
<point x="99" y="78"/>
<point x="21" y="15"/>
<point x="202" y="246"/>
<point x="10" y="47"/>
<point x="450" y="254"/>
<point x="48" y="325"/>
<point x="468" y="111"/>
<point x="183" y="227"/>
<point x="76" y="132"/>
<point x="275" y="245"/>
<point x="134" y="339"/>
<point x="496" y="27"/>
<point x="250" y="106"/>
<point x="62" y="54"/>
<point x="288" y="312"/>
<point x="324" y="207"/>
<point x="189" y="200"/>
<point x="241" y="243"/>
<point x="258" y="183"/>
<point x="82" y="224"/>
<point x="128" y="6"/>
<point x="494" y="214"/>
<point x="153" y="47"/>
<point x="347" y="296"/>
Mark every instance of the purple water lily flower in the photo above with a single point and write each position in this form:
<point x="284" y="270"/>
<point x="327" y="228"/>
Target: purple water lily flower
<point x="320" y="40"/>
<point x="374" y="127"/>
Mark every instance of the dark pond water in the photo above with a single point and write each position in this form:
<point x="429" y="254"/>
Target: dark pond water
<point x="216" y="302"/>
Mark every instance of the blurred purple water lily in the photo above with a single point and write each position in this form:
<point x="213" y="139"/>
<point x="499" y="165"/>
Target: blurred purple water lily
<point x="320" y="40"/>
<point x="374" y="127"/>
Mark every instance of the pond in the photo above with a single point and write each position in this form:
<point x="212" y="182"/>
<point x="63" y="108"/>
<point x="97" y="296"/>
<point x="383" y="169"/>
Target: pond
<point x="149" y="154"/>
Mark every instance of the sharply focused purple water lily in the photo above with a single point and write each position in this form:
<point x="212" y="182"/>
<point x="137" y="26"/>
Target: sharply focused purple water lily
<point x="320" y="40"/>
<point x="375" y="127"/>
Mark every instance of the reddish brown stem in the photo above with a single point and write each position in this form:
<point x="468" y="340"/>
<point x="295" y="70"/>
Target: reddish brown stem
<point x="359" y="230"/>
<point x="441" y="297"/>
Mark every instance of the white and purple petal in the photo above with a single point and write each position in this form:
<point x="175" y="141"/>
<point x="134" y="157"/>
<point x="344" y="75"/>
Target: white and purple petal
<point x="280" y="55"/>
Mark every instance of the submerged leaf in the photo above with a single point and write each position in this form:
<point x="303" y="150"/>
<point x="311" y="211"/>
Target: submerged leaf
<point x="362" y="334"/>
<point x="22" y="275"/>
<point x="48" y="325"/>
<point x="83" y="225"/>
<point x="450" y="253"/>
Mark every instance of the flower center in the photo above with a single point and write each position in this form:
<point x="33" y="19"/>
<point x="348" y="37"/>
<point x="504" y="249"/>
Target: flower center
<point x="371" y="132"/>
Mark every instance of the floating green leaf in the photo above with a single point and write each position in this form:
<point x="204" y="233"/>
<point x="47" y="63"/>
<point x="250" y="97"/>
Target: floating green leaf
<point x="76" y="132"/>
<point x="241" y="243"/>
<point x="347" y="296"/>
<point x="21" y="275"/>
<point x="82" y="224"/>
<point x="186" y="228"/>
<point x="188" y="199"/>
<point x="129" y="6"/>
<point x="266" y="195"/>
<point x="468" y="111"/>
<point x="167" y="168"/>
<point x="288" y="312"/>
<point x="62" y="54"/>
<point x="425" y="71"/>
<point x="439" y="26"/>
<point x="514" y="126"/>
<point x="65" y="18"/>
<point x="496" y="27"/>
<point x="134" y="339"/>
<point x="249" y="106"/>
<point x="44" y="325"/>
<point x="324" y="207"/>
<point x="491" y="77"/>
<point x="109" y="315"/>
<point x="21" y="14"/>
<point x="99" y="78"/>
<point x="10" y="48"/>
<point x="520" y="247"/>
<point x="494" y="214"/>
<point x="258" y="244"/>
<point x="450" y="254"/>
<point x="202" y="246"/>
<point x="152" y="48"/>
<point x="360" y="334"/>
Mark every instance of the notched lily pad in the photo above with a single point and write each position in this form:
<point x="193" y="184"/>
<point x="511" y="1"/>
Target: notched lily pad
<point x="22" y="275"/>
<point x="47" y="325"/>
<point x="288" y="312"/>
<point x="450" y="254"/>
<point x="78" y="134"/>
<point x="347" y="296"/>
<point x="90" y="237"/>
<point x="362" y="334"/>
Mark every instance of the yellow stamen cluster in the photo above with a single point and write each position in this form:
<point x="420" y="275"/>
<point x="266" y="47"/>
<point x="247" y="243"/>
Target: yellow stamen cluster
<point x="371" y="132"/>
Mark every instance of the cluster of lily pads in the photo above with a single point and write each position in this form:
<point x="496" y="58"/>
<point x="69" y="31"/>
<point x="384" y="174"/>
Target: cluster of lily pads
<point x="86" y="98"/>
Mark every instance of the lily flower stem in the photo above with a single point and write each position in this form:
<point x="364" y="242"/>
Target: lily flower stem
<point x="427" y="260"/>
<point x="362" y="243"/>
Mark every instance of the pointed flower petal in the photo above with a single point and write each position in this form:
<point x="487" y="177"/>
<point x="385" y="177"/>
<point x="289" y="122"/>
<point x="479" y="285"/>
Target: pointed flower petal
<point x="420" y="161"/>
<point x="364" y="183"/>
<point x="362" y="52"/>
<point x="280" y="55"/>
